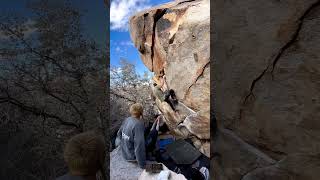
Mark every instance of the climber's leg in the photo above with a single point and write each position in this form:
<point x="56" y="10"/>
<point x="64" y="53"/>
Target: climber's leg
<point x="174" y="100"/>
<point x="168" y="100"/>
<point x="171" y="101"/>
<point x="171" y="104"/>
<point x="173" y="96"/>
<point x="166" y="95"/>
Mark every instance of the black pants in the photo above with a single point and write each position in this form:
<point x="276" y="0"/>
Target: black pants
<point x="151" y="140"/>
<point x="170" y="98"/>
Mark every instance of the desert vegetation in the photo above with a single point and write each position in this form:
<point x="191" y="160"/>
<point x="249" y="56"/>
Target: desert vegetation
<point x="127" y="86"/>
<point x="53" y="82"/>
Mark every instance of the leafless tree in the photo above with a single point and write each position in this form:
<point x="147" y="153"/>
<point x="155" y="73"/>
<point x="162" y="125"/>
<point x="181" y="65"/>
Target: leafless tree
<point x="52" y="85"/>
<point x="128" y="87"/>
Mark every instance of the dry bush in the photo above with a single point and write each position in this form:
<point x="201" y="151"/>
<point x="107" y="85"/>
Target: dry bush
<point x="52" y="86"/>
<point x="128" y="87"/>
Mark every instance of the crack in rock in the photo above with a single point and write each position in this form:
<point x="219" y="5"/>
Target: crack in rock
<point x="199" y="74"/>
<point x="255" y="168"/>
<point x="142" y="48"/>
<point x="159" y="13"/>
<point x="279" y="54"/>
<point x="249" y="147"/>
<point x="294" y="37"/>
<point x="249" y="171"/>
<point x="253" y="85"/>
<point x="185" y="2"/>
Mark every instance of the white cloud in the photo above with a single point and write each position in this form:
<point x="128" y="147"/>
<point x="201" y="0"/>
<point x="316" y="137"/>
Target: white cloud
<point x="121" y="10"/>
<point x="121" y="50"/>
<point x="126" y="43"/>
<point x="121" y="43"/>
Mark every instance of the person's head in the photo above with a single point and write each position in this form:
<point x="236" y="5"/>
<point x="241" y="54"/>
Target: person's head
<point x="85" y="153"/>
<point x="136" y="110"/>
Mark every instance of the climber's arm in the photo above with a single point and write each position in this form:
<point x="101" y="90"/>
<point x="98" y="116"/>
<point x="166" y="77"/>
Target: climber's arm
<point x="165" y="84"/>
<point x="119" y="133"/>
<point x="118" y="138"/>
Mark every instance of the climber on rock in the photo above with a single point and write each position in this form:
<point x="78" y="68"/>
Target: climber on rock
<point x="133" y="142"/>
<point x="162" y="92"/>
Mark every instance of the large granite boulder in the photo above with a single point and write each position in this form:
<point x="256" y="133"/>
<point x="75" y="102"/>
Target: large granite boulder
<point x="266" y="74"/>
<point x="173" y="40"/>
<point x="233" y="157"/>
<point x="293" y="167"/>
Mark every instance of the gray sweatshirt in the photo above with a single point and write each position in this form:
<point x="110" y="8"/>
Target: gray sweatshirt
<point x="132" y="142"/>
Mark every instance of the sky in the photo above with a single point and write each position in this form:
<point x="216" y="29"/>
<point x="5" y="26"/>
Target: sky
<point x="98" y="25"/>
<point x="121" y="45"/>
<point x="95" y="19"/>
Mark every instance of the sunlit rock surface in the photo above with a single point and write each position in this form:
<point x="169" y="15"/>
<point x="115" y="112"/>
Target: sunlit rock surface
<point x="174" y="38"/>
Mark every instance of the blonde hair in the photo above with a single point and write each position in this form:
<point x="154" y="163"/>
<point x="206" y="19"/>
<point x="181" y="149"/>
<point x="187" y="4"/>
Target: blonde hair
<point x="85" y="153"/>
<point x="136" y="110"/>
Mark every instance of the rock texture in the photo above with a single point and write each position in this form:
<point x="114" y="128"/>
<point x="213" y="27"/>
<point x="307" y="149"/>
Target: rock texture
<point x="121" y="169"/>
<point x="266" y="75"/>
<point x="173" y="40"/>
<point x="156" y="176"/>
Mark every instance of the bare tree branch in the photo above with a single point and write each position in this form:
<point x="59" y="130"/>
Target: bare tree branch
<point x="123" y="97"/>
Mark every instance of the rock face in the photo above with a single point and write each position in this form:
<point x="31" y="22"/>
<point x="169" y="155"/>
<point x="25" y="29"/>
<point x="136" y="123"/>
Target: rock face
<point x="122" y="169"/>
<point x="266" y="75"/>
<point x="173" y="40"/>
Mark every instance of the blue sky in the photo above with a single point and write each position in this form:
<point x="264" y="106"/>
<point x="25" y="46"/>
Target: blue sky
<point x="96" y="23"/>
<point x="121" y="45"/>
<point x="95" y="19"/>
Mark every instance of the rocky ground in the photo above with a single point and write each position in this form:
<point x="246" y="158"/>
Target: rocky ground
<point x="120" y="169"/>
